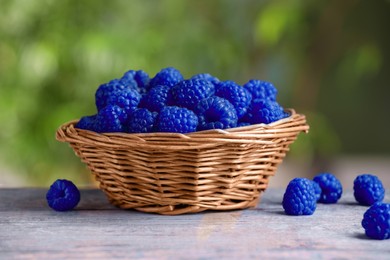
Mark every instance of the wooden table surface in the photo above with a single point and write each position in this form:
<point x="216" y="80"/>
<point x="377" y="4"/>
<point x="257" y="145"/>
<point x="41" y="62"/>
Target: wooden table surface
<point x="29" y="229"/>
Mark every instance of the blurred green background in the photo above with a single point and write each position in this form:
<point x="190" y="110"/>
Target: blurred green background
<point x="329" y="60"/>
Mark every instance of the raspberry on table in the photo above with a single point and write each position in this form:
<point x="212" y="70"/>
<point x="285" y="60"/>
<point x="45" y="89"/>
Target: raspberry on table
<point x="238" y="96"/>
<point x="264" y="111"/>
<point x="167" y="77"/>
<point x="299" y="197"/>
<point x="261" y="89"/>
<point x="331" y="188"/>
<point x="208" y="77"/>
<point x="216" y="113"/>
<point x="86" y="123"/>
<point x="176" y="120"/>
<point x="317" y="190"/>
<point x="376" y="221"/>
<point x="189" y="92"/>
<point x="63" y="195"/>
<point x="141" y="121"/>
<point x="110" y="119"/>
<point x="127" y="99"/>
<point x="157" y="98"/>
<point x="368" y="189"/>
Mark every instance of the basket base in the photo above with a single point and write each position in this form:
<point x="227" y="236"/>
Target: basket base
<point x="187" y="209"/>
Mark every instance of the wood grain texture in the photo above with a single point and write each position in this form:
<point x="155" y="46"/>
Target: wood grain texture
<point x="29" y="229"/>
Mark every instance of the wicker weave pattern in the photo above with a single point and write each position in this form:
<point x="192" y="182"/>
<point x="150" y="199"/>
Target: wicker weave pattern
<point x="169" y="173"/>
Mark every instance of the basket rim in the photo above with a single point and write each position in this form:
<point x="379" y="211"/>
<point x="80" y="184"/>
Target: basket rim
<point x="257" y="133"/>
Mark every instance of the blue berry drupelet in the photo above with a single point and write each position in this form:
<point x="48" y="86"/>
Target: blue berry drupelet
<point x="331" y="188"/>
<point x="376" y="221"/>
<point x="317" y="190"/>
<point x="189" y="92"/>
<point x="299" y="197"/>
<point x="128" y="80"/>
<point x="137" y="79"/>
<point x="368" y="189"/>
<point x="142" y="79"/>
<point x="176" y="120"/>
<point x="261" y="89"/>
<point x="207" y="77"/>
<point x="127" y="99"/>
<point x="157" y="98"/>
<point x="63" y="195"/>
<point x="264" y="111"/>
<point x="110" y="120"/>
<point x="141" y="121"/>
<point x="240" y="124"/>
<point x="238" y="96"/>
<point x="166" y="77"/>
<point x="216" y="113"/>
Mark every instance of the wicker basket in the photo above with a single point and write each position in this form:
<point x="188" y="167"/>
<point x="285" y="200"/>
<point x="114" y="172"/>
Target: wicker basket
<point x="169" y="173"/>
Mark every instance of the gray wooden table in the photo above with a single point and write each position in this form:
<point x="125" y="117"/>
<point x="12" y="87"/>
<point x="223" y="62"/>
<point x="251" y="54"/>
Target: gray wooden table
<point x="29" y="229"/>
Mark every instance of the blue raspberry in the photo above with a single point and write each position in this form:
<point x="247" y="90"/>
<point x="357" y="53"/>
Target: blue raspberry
<point x="138" y="80"/>
<point x="142" y="79"/>
<point x="299" y="197"/>
<point x="63" y="195"/>
<point x="238" y="96"/>
<point x="176" y="120"/>
<point x="286" y="114"/>
<point x="167" y="77"/>
<point x="157" y="98"/>
<point x="141" y="121"/>
<point x="224" y="83"/>
<point x="128" y="80"/>
<point x="128" y="99"/>
<point x="331" y="188"/>
<point x="376" y="221"/>
<point x="317" y="190"/>
<point x="368" y="189"/>
<point x="86" y="123"/>
<point x="110" y="119"/>
<point x="189" y="92"/>
<point x="239" y="124"/>
<point x="261" y="89"/>
<point x="216" y="113"/>
<point x="207" y="77"/>
<point x="264" y="111"/>
<point x="104" y="91"/>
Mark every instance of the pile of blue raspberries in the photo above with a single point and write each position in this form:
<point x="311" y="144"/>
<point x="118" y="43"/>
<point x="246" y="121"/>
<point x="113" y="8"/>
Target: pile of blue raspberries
<point x="136" y="103"/>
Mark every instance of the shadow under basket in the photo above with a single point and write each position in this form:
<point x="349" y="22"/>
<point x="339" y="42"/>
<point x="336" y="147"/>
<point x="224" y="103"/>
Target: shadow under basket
<point x="171" y="173"/>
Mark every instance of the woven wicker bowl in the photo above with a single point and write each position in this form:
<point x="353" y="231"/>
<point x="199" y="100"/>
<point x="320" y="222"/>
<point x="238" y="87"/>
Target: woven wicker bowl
<point x="169" y="173"/>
